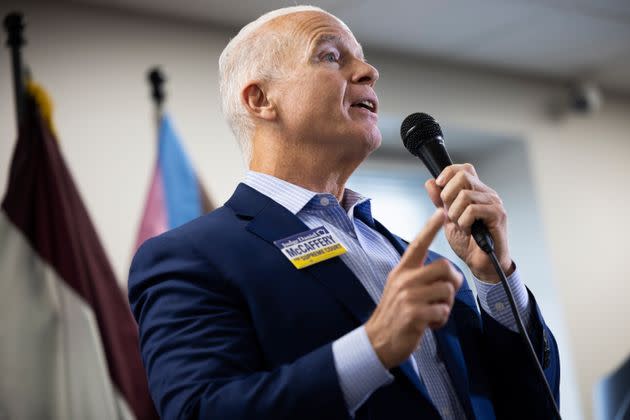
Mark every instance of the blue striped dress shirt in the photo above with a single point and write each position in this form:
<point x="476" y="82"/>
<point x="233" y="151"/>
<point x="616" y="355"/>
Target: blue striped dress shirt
<point x="371" y="257"/>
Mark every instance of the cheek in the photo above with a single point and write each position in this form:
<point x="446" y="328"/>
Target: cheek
<point x="319" y="107"/>
<point x="293" y="104"/>
<point x="325" y="97"/>
<point x="314" y="100"/>
<point x="327" y="90"/>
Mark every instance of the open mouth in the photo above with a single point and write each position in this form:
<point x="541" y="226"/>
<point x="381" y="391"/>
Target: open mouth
<point x="367" y="104"/>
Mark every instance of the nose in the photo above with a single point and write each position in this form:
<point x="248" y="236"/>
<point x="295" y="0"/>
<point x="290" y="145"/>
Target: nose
<point x="365" y="73"/>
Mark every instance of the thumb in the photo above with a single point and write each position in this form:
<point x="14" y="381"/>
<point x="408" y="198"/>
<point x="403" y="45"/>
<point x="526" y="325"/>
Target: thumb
<point x="434" y="193"/>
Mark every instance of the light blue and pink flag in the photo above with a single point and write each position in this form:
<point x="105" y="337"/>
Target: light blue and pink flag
<point x="176" y="196"/>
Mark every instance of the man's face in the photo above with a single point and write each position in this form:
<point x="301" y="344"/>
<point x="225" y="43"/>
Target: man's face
<point x="327" y="97"/>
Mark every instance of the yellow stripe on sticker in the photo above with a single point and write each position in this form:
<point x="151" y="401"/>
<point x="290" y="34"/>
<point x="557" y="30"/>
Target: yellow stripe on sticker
<point x="311" y="247"/>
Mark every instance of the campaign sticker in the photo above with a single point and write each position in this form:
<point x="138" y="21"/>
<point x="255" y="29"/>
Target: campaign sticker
<point x="310" y="247"/>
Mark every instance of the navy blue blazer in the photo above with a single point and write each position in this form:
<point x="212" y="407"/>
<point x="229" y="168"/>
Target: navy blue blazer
<point x="229" y="329"/>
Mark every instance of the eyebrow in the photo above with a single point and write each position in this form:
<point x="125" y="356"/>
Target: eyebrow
<point x="334" y="39"/>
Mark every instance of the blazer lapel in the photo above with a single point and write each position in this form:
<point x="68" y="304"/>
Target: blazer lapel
<point x="449" y="348"/>
<point x="271" y="221"/>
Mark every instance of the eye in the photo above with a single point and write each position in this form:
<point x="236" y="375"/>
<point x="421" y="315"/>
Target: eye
<point x="330" y="57"/>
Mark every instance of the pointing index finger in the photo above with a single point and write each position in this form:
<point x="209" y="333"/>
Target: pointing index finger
<point x="416" y="252"/>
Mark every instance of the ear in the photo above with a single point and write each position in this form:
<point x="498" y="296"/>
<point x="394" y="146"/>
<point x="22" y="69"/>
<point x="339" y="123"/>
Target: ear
<point x="257" y="103"/>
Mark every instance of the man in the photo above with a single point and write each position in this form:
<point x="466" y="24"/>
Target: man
<point x="231" y="328"/>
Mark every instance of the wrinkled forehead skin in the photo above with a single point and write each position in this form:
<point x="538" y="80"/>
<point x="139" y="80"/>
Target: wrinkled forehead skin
<point x="303" y="29"/>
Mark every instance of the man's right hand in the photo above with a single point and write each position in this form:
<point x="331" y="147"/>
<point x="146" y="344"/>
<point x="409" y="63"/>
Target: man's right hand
<point x="416" y="296"/>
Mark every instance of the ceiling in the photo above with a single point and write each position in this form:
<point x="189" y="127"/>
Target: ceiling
<point x="563" y="39"/>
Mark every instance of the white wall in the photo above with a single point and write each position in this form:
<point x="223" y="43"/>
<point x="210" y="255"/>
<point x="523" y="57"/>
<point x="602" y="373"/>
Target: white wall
<point x="507" y="169"/>
<point x="94" y="65"/>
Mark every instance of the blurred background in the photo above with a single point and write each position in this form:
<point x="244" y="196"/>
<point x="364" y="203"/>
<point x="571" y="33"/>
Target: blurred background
<point x="536" y="94"/>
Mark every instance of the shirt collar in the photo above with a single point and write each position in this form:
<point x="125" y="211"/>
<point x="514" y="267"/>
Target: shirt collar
<point x="294" y="198"/>
<point x="290" y="196"/>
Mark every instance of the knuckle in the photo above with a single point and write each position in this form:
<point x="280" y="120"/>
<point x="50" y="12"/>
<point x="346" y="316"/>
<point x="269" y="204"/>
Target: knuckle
<point x="450" y="290"/>
<point x="469" y="178"/>
<point x="404" y="296"/>
<point x="411" y="315"/>
<point x="464" y="197"/>
<point x="406" y="314"/>
<point x="442" y="264"/>
<point x="453" y="213"/>
<point x="466" y="214"/>
<point x="427" y="275"/>
<point x="440" y="315"/>
<point x="419" y="314"/>
<point x="401" y="281"/>
<point x="501" y="214"/>
<point x="469" y="167"/>
<point x="394" y="284"/>
<point x="469" y="197"/>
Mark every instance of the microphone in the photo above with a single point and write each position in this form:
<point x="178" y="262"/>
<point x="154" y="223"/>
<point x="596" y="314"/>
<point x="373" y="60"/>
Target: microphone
<point x="422" y="136"/>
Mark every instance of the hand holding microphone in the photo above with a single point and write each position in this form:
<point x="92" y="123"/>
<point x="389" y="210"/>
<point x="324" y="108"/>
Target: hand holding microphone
<point x="470" y="204"/>
<point x="466" y="199"/>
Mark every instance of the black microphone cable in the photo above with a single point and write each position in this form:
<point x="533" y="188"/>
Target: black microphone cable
<point x="422" y="136"/>
<point x="484" y="240"/>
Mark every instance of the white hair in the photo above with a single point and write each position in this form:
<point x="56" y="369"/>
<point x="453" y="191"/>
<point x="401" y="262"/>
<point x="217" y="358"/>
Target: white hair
<point x="251" y="55"/>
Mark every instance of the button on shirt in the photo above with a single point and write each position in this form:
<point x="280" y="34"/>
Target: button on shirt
<point x="370" y="256"/>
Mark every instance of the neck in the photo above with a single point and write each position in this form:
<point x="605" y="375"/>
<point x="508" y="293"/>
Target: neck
<point x="315" y="170"/>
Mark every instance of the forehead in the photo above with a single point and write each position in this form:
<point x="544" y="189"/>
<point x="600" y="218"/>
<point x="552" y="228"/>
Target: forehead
<point x="311" y="28"/>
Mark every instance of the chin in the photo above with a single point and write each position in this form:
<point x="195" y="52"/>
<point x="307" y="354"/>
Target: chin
<point x="364" y="145"/>
<point x="373" y="139"/>
<point x="358" y="142"/>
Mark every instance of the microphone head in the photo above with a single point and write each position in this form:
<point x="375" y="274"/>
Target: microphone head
<point x="418" y="128"/>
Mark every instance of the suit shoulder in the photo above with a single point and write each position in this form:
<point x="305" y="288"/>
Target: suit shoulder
<point x="220" y="220"/>
<point x="181" y="243"/>
<point x="175" y="255"/>
<point x="216" y="222"/>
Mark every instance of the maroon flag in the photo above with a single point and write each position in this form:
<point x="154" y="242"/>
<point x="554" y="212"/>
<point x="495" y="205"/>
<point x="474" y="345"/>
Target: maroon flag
<point x="69" y="342"/>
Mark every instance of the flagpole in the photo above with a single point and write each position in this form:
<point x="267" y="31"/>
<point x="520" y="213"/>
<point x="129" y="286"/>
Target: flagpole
<point x="14" y="26"/>
<point x="156" y="80"/>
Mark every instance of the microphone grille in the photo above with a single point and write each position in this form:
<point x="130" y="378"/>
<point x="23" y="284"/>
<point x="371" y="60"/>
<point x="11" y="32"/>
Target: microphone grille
<point x="425" y="128"/>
